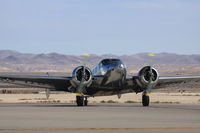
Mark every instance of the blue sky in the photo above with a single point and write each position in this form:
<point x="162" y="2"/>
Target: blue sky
<point x="100" y="26"/>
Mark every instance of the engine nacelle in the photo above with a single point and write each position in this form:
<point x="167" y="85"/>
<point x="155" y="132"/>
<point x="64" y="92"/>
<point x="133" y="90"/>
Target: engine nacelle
<point x="77" y="76"/>
<point x="144" y="77"/>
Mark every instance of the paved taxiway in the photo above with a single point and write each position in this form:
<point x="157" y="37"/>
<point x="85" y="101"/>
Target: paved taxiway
<point x="97" y="118"/>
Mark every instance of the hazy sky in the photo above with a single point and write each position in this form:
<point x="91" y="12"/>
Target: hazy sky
<point x="100" y="26"/>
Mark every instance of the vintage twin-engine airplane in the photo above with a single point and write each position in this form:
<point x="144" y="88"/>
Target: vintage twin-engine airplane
<point x="109" y="77"/>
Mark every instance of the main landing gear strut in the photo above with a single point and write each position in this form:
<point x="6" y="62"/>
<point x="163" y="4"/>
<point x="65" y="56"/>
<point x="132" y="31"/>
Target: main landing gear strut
<point x="81" y="101"/>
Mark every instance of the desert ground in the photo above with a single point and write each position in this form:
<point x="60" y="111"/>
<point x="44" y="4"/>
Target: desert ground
<point x="170" y="98"/>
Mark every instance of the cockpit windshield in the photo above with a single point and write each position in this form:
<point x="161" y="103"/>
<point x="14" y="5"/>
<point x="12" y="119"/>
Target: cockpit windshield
<point x="106" y="65"/>
<point x="115" y="62"/>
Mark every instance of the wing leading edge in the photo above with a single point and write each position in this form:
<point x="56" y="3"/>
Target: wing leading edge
<point x="50" y="82"/>
<point x="174" y="80"/>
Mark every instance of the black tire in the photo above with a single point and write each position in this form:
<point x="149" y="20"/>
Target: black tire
<point x="80" y="100"/>
<point x="145" y="100"/>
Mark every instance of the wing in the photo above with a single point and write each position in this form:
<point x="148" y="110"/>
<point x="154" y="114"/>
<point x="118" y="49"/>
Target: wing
<point x="58" y="83"/>
<point x="162" y="82"/>
<point x="166" y="81"/>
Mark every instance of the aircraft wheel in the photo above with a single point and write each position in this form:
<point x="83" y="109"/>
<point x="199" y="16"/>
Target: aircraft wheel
<point x="145" y="100"/>
<point x="80" y="100"/>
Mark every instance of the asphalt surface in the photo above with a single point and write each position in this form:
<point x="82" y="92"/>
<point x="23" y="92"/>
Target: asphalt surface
<point x="98" y="118"/>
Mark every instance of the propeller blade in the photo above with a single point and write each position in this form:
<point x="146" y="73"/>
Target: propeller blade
<point x="151" y="75"/>
<point x="81" y="87"/>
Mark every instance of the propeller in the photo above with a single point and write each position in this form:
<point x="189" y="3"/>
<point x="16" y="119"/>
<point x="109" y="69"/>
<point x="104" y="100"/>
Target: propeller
<point x="151" y="76"/>
<point x="150" y="83"/>
<point x="81" y="87"/>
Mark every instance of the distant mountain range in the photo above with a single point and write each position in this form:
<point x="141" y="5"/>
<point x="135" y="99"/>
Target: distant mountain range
<point x="13" y="61"/>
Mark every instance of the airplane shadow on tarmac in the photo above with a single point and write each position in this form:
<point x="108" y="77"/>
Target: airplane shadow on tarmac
<point x="117" y="105"/>
<point x="107" y="105"/>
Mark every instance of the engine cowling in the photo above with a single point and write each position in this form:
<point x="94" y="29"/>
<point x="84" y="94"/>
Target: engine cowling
<point x="77" y="75"/>
<point x="144" y="77"/>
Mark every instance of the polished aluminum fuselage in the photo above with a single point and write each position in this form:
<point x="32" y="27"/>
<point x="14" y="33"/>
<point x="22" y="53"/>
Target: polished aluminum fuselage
<point x="111" y="75"/>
